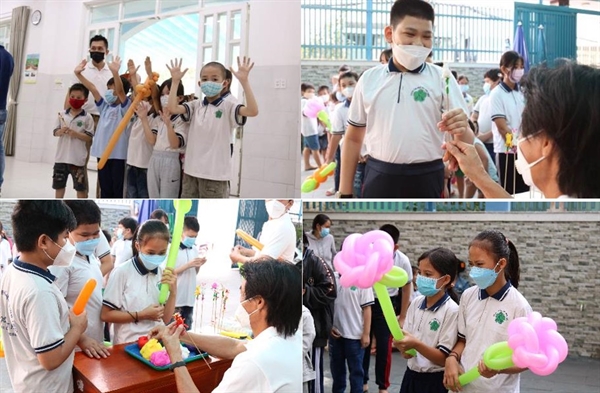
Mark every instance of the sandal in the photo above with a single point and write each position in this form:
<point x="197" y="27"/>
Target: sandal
<point x="330" y="192"/>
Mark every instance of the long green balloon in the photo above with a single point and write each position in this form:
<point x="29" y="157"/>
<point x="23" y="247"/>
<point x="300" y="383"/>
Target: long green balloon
<point x="182" y="207"/>
<point x="396" y="277"/>
<point x="497" y="357"/>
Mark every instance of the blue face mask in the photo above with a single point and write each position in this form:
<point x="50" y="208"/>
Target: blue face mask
<point x="482" y="277"/>
<point x="110" y="97"/>
<point x="151" y="262"/>
<point x="211" y="89"/>
<point x="87" y="247"/>
<point x="427" y="285"/>
<point x="324" y="232"/>
<point x="189" y="242"/>
<point x="487" y="88"/>
<point x="464" y="88"/>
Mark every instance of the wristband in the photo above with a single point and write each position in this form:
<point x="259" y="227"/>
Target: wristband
<point x="173" y="366"/>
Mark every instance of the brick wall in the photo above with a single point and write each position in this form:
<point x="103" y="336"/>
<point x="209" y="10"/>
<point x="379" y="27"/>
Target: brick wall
<point x="559" y="264"/>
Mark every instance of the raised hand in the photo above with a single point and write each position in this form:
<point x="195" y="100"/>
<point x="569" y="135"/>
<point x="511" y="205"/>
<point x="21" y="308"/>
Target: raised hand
<point x="244" y="68"/>
<point x="131" y="68"/>
<point x="115" y="65"/>
<point x="80" y="67"/>
<point x="175" y="69"/>
<point x="165" y="114"/>
<point x="142" y="109"/>
<point x="148" y="65"/>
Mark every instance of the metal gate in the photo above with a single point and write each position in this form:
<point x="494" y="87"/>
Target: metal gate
<point x="251" y="217"/>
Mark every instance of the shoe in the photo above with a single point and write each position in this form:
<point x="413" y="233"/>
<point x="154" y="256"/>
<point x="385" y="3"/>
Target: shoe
<point x="330" y="192"/>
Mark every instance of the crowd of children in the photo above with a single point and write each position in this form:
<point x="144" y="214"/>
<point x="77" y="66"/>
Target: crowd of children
<point x="172" y="146"/>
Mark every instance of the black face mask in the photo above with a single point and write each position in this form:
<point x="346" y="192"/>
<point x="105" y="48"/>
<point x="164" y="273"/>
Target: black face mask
<point x="97" y="56"/>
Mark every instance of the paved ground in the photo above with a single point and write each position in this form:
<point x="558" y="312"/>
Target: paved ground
<point x="574" y="375"/>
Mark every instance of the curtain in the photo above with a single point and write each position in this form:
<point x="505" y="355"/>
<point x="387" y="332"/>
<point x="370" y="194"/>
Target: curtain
<point x="18" y="31"/>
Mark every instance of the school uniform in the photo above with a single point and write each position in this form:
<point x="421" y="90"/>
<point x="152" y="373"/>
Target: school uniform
<point x="139" y="151"/>
<point x="348" y="319"/>
<point x="34" y="318"/>
<point x="278" y="237"/>
<point x="164" y="169"/>
<point x="482" y="321"/>
<point x="208" y="162"/>
<point x="71" y="153"/>
<point x="229" y="97"/>
<point x="186" y="284"/>
<point x="112" y="176"/>
<point x="102" y="249"/>
<point x="400" y="111"/>
<point x="436" y="327"/>
<point x="507" y="104"/>
<point x="309" y="129"/>
<point x="122" y="251"/>
<point x="71" y="279"/>
<point x="484" y="120"/>
<point x="132" y="288"/>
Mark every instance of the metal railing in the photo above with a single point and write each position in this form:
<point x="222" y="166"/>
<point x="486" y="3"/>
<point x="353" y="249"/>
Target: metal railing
<point x="343" y="30"/>
<point x="447" y="207"/>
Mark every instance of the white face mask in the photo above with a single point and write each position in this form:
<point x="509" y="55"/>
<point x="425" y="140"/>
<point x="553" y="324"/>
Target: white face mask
<point x="242" y="316"/>
<point x="275" y="209"/>
<point x="410" y="56"/>
<point x="348" y="91"/>
<point x="523" y="167"/>
<point x="325" y="98"/>
<point x="517" y="75"/>
<point x="65" y="256"/>
<point x="487" y="88"/>
<point x="164" y="101"/>
<point x="120" y="233"/>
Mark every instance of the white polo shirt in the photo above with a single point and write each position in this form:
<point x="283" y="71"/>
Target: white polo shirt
<point x="99" y="78"/>
<point x="434" y="326"/>
<point x="103" y="248"/>
<point x="122" y="251"/>
<point x="229" y="97"/>
<point x="271" y="363"/>
<point x="400" y="111"/>
<point x="278" y="237"/>
<point x="349" y="304"/>
<point x="208" y="152"/>
<point x="339" y="123"/>
<point x="72" y="150"/>
<point x="506" y="104"/>
<point x="482" y="321"/>
<point x="139" y="149"/>
<point x="402" y="261"/>
<point x="308" y="125"/>
<point x="132" y="288"/>
<point x="186" y="280"/>
<point x="483" y="108"/>
<point x="34" y="318"/>
<point x="71" y="279"/>
<point x="181" y="128"/>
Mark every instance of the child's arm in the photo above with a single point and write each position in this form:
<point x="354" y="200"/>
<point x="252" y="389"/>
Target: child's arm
<point x="196" y="263"/>
<point x="251" y="108"/>
<point x="114" y="67"/>
<point x="153" y="312"/>
<point x="133" y="76"/>
<point x="176" y="76"/>
<point x="142" y="112"/>
<point x="365" y="339"/>
<point x="90" y="86"/>
<point x="78" y="135"/>
<point x="435" y="355"/>
<point x="169" y="277"/>
<point x="174" y="141"/>
<point x="154" y="92"/>
<point x="55" y="357"/>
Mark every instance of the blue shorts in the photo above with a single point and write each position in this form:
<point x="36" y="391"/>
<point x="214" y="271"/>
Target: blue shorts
<point x="312" y="142"/>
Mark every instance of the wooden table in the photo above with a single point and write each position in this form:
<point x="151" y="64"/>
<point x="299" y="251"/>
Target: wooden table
<point x="121" y="373"/>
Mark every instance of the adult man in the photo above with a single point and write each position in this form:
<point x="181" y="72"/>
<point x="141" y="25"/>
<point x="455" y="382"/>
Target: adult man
<point x="7" y="65"/>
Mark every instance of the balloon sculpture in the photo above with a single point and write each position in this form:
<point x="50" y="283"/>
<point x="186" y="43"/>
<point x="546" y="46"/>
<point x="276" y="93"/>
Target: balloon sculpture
<point x="368" y="261"/>
<point x="249" y="239"/>
<point x="533" y="343"/>
<point x="141" y="92"/>
<point x="182" y="207"/>
<point x="315" y="109"/>
<point x="318" y="177"/>
<point x="84" y="296"/>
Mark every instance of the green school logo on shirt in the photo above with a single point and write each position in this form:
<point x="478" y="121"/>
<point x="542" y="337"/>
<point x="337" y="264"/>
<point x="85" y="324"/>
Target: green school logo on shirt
<point x="419" y="94"/>
<point x="218" y="114"/>
<point x="79" y="123"/>
<point x="500" y="317"/>
<point x="434" y="325"/>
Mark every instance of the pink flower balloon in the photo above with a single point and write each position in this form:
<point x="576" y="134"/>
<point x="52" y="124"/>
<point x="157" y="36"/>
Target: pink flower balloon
<point x="364" y="259"/>
<point x="536" y="344"/>
<point x="313" y="107"/>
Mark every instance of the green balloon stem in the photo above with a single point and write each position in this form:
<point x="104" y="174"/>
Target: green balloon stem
<point x="497" y="357"/>
<point x="469" y="376"/>
<point x="389" y="314"/>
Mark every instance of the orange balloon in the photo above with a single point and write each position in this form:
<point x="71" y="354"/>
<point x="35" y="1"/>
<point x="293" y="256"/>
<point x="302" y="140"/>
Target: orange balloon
<point x="84" y="296"/>
<point x="249" y="239"/>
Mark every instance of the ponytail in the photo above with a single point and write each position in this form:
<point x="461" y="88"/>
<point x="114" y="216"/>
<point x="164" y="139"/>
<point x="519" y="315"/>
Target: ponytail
<point x="513" y="270"/>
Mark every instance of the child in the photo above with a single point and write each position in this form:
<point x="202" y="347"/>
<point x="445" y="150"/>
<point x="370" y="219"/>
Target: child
<point x="187" y="268"/>
<point x="415" y="293"/>
<point x="71" y="279"/>
<point x="208" y="155"/>
<point x="112" y="107"/>
<point x="485" y="312"/>
<point x="227" y="96"/>
<point x="308" y="336"/>
<point x="38" y="329"/>
<point x="430" y="326"/>
<point x="75" y="128"/>
<point x="122" y="249"/>
<point x="131" y="295"/>
<point x="167" y="134"/>
<point x="309" y="128"/>
<point x="401" y="111"/>
<point x="349" y="336"/>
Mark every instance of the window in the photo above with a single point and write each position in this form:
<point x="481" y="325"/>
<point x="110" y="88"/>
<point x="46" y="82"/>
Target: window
<point x="135" y="8"/>
<point x="105" y="13"/>
<point x="172" y="5"/>
<point x="5" y="35"/>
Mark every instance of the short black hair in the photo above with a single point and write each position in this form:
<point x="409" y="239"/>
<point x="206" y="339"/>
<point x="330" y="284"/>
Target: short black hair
<point x="391" y="230"/>
<point x="191" y="223"/>
<point x="228" y="75"/>
<point x="124" y="81"/>
<point x="99" y="37"/>
<point x="388" y="53"/>
<point x="129" y="223"/>
<point x="563" y="101"/>
<point x="150" y="229"/>
<point x="168" y="83"/>
<point x="305" y="86"/>
<point x="79" y="87"/>
<point x="323" y="87"/>
<point x="462" y="77"/>
<point x="349" y="74"/>
<point x="107" y="235"/>
<point x="416" y="8"/>
<point x="218" y="65"/>
<point x="159" y="214"/>
<point x="510" y="59"/>
<point x="280" y="285"/>
<point x="34" y="218"/>
<point x="344" y="68"/>
<point x="85" y="211"/>
<point x="494" y="74"/>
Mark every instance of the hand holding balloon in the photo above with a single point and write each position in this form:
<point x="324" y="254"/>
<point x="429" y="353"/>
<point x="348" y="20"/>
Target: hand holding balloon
<point x="315" y="109"/>
<point x="318" y="177"/>
<point x="249" y="239"/>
